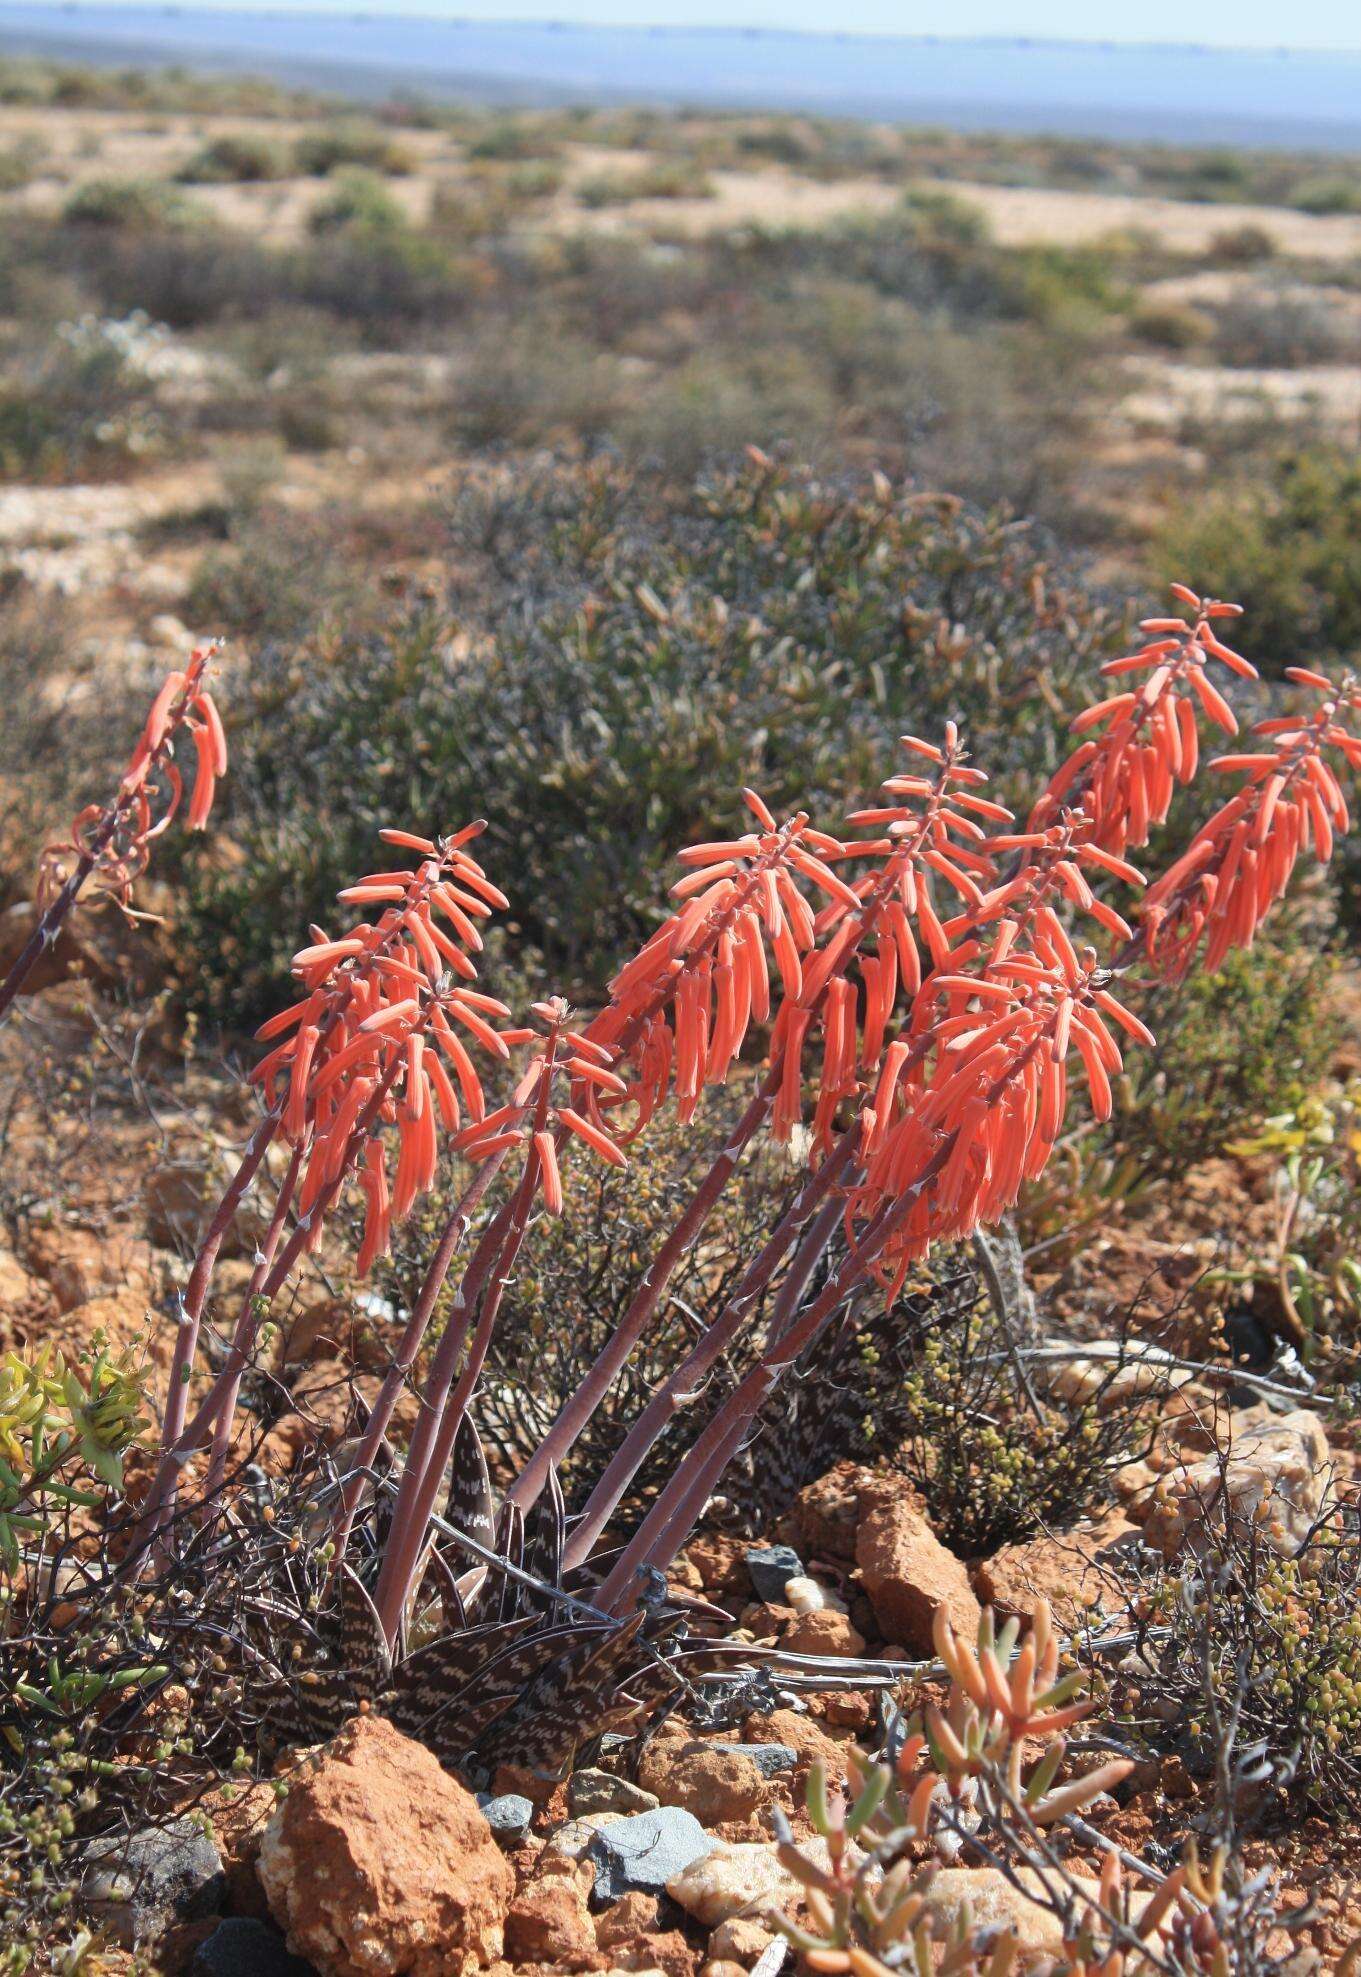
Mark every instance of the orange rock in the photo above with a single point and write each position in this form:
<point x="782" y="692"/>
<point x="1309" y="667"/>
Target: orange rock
<point x="789" y="1726"/>
<point x="79" y="1265"/>
<point x="906" y="1570"/>
<point x="666" y="1951"/>
<point x="824" y="1631"/>
<point x="1078" y="1573"/>
<point x="715" y="1785"/>
<point x="128" y="1323"/>
<point x="379" y="1864"/>
<point x="550" y="1922"/>
<point x="827" y="1512"/>
<point x="634" y="1914"/>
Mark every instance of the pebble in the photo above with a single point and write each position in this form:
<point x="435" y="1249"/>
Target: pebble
<point x="600" y="1791"/>
<point x="646" y="1852"/>
<point x="508" y="1815"/>
<point x="769" y="1759"/>
<point x="770" y="1568"/>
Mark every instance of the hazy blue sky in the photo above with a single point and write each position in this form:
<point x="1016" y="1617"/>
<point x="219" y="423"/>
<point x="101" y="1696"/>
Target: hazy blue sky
<point x="1259" y="23"/>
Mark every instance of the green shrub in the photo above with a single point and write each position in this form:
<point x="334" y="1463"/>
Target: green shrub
<point x="335" y="146"/>
<point x="635" y="666"/>
<point x="994" y="1466"/>
<point x="1282" y="326"/>
<point x="1241" y="247"/>
<point x="1331" y="194"/>
<point x="662" y="178"/>
<point x="20" y="164"/>
<point x="513" y="140"/>
<point x="1170" y="325"/>
<point x="1287" y="546"/>
<point x="235" y="158"/>
<point x="127" y="205"/>
<point x="358" y="201"/>
<point x="1232" y="1048"/>
<point x="1254" y="1659"/>
<point x="75" y="403"/>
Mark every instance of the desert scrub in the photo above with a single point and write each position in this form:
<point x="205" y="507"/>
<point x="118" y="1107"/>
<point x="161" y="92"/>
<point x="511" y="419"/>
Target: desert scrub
<point x="236" y="158"/>
<point x="128" y="205"/>
<point x="514" y="140"/>
<point x="1170" y="325"/>
<point x="342" y="145"/>
<point x="994" y="1464"/>
<point x="1254" y="1669"/>
<point x="646" y="663"/>
<point x="1312" y="1270"/>
<point x="358" y="202"/>
<point x="80" y="402"/>
<point x="662" y="178"/>
<point x="1289" y="544"/>
<point x="1249" y="1042"/>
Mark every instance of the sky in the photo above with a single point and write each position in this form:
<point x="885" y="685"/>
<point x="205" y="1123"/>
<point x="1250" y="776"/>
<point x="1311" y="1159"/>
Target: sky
<point x="1265" y="24"/>
<point x="1230" y="23"/>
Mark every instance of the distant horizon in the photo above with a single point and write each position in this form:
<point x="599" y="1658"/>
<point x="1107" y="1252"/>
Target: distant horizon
<point x="595" y="19"/>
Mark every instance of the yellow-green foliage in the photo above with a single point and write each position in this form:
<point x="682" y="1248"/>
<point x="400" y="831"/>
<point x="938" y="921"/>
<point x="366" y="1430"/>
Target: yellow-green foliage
<point x="63" y="1429"/>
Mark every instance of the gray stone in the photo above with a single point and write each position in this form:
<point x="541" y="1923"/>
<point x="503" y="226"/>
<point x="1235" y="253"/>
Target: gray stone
<point x="508" y="1816"/>
<point x="646" y="1852"/>
<point x="242" y="1947"/>
<point x="601" y="1791"/>
<point x="770" y="1567"/>
<point x="137" y="1886"/>
<point x="769" y="1759"/>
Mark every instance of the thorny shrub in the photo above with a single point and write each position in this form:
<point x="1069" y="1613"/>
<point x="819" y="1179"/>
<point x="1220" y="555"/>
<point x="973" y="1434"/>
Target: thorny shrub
<point x="1313" y="1268"/>
<point x="1248" y="1668"/>
<point x="995" y="1461"/>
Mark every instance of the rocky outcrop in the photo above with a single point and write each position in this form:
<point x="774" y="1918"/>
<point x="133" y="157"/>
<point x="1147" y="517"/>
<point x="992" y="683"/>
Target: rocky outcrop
<point x="378" y="1864"/>
<point x="1081" y="1574"/>
<point x="1275" y="1479"/>
<point x="906" y="1571"/>
<point x="718" y="1786"/>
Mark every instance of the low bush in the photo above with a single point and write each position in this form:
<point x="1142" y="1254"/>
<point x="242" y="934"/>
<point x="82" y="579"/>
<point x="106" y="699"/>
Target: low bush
<point x="636" y="664"/>
<point x="1328" y="194"/>
<point x="513" y="140"/>
<point x="1282" y="326"/>
<point x="1288" y="543"/>
<point x="236" y="158"/>
<point x="1232" y="1049"/>
<point x="1171" y="325"/>
<point x="336" y="146"/>
<point x="358" y="202"/>
<point x="664" y="178"/>
<point x="126" y="205"/>
<point x="77" y="404"/>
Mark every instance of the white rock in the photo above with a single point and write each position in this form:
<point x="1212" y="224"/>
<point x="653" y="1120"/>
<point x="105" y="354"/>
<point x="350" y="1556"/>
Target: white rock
<point x="807" y="1596"/>
<point x="1277" y="1478"/>
<point x="741" y="1878"/>
<point x="572" y="1840"/>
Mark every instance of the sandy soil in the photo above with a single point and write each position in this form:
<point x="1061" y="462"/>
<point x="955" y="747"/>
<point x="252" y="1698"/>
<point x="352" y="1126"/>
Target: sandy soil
<point x="1164" y="395"/>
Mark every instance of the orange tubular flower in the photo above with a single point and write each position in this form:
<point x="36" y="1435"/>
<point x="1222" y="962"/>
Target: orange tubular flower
<point x="1148" y="740"/>
<point x="993" y="1102"/>
<point x="113" y="843"/>
<point x="373" y="1042"/>
<point x="535" y="1117"/>
<point x="680" y="1011"/>
<point x="1240" y="862"/>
